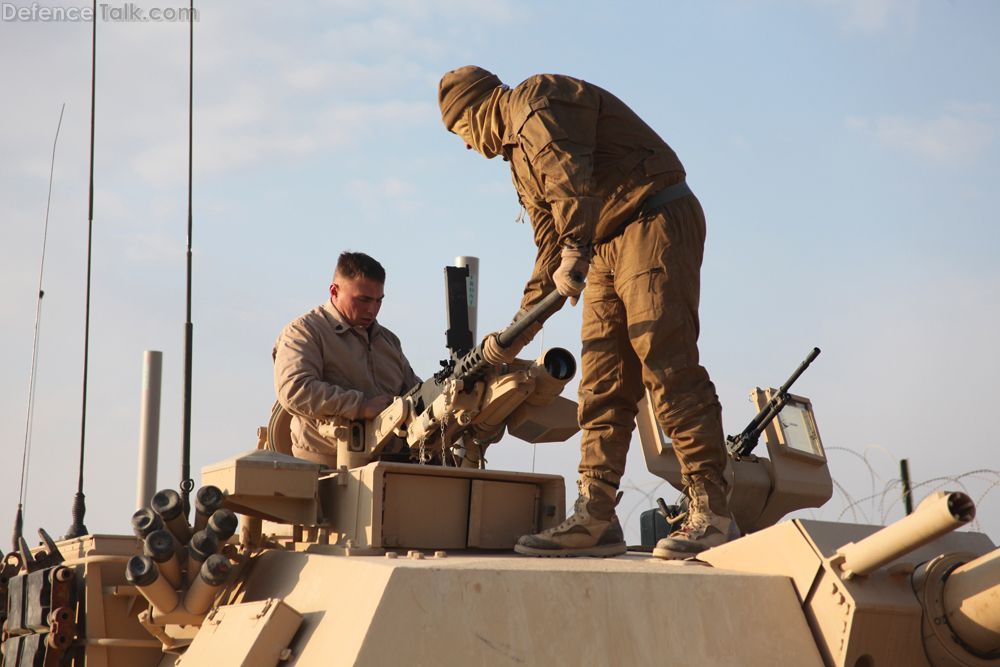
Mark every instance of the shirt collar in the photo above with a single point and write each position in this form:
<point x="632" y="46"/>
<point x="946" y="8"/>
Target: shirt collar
<point x="341" y="325"/>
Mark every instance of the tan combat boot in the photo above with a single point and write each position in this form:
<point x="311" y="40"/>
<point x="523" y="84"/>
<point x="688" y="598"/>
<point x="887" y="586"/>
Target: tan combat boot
<point x="592" y="529"/>
<point x="708" y="522"/>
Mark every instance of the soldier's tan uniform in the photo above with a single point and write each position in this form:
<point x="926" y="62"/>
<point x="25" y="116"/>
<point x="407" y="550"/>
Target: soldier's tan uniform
<point x="583" y="163"/>
<point x="606" y="195"/>
<point x="325" y="368"/>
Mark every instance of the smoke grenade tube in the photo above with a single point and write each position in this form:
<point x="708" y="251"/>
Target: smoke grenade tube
<point x="202" y="545"/>
<point x="141" y="572"/>
<point x="206" y="501"/>
<point x="162" y="548"/>
<point x="168" y="504"/>
<point x="205" y="588"/>
<point x="223" y="523"/>
<point x="145" y="521"/>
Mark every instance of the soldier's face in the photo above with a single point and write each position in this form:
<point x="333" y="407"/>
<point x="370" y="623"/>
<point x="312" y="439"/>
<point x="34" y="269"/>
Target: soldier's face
<point x="358" y="299"/>
<point x="461" y="128"/>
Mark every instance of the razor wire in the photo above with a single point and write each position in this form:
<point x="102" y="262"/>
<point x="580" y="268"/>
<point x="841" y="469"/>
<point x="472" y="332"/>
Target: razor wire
<point x="876" y="507"/>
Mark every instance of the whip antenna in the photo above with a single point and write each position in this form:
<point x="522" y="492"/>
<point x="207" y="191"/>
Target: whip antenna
<point x="26" y="452"/>
<point x="187" y="484"/>
<point x="77" y="529"/>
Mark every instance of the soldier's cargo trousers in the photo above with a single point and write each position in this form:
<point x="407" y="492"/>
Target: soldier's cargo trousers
<point x="640" y="329"/>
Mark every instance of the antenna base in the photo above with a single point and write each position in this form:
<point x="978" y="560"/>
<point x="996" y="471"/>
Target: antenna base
<point x="79" y="510"/>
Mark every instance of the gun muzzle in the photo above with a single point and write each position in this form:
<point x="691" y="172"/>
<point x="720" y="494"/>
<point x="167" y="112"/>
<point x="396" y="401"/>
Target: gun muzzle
<point x="206" y="501"/>
<point x="205" y="588"/>
<point x="972" y="603"/>
<point x="141" y="572"/>
<point x="168" y="504"/>
<point x="551" y="371"/>
<point x="939" y="513"/>
<point x="162" y="548"/>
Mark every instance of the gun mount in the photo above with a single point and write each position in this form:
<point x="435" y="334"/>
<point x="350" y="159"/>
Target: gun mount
<point x="762" y="490"/>
<point x="470" y="412"/>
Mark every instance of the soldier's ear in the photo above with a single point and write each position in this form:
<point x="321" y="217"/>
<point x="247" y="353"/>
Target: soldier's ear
<point x="333" y="290"/>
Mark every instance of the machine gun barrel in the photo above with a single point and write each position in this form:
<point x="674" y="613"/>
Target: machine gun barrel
<point x="745" y="442"/>
<point x="552" y="302"/>
<point x="473" y="362"/>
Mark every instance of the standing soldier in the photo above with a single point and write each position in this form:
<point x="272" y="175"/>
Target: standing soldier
<point x="607" y="200"/>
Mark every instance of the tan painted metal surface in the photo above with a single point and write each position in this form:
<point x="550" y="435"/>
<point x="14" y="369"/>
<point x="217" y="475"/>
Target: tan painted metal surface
<point x="502" y="610"/>
<point x="873" y="619"/>
<point x="253" y="634"/>
<point x="268" y="485"/>
<point x="114" y="638"/>
<point x="972" y="602"/>
<point x="401" y="505"/>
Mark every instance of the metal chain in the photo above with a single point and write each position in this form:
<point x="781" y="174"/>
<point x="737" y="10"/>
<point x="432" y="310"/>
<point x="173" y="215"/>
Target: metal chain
<point x="444" y="427"/>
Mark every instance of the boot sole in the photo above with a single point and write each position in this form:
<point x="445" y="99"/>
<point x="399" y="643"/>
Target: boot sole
<point x="669" y="554"/>
<point x="604" y="551"/>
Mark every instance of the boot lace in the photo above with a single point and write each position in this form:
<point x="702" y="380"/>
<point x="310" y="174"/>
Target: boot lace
<point x="695" y="519"/>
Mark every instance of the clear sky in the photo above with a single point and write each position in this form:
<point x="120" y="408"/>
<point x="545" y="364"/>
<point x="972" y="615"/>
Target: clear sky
<point x="846" y="153"/>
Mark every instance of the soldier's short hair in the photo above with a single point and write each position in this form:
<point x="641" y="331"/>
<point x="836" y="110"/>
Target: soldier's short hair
<point x="351" y="265"/>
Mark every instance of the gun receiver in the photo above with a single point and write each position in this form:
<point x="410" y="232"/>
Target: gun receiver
<point x="744" y="443"/>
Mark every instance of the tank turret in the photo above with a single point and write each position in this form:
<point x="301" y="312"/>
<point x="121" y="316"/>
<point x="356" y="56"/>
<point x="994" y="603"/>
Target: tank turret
<point x="885" y="596"/>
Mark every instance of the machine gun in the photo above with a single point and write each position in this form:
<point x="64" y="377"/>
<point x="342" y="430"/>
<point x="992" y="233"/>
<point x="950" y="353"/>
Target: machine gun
<point x="744" y="443"/>
<point x="467" y="405"/>
<point x="463" y="368"/>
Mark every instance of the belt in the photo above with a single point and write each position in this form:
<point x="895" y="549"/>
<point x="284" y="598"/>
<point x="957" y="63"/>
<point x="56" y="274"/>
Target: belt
<point x="664" y="197"/>
<point x="650" y="204"/>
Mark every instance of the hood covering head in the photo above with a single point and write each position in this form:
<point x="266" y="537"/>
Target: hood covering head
<point x="461" y="88"/>
<point x="481" y="126"/>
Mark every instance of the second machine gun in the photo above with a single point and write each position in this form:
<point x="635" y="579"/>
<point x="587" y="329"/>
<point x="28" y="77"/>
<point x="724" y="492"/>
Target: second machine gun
<point x="744" y="443"/>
